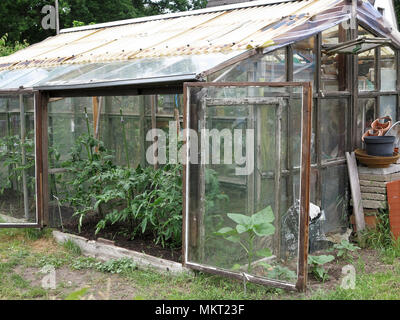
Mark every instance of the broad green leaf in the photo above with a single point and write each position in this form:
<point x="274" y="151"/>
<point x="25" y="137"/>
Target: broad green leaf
<point x="233" y="238"/>
<point x="236" y="267"/>
<point x="266" y="215"/>
<point x="225" y="231"/>
<point x="320" y="260"/>
<point x="240" y="218"/>
<point x="264" y="253"/>
<point x="265" y="229"/>
<point x="242" y="229"/>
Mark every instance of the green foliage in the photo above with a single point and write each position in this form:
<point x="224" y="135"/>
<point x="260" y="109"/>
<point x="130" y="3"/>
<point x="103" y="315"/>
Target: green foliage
<point x="9" y="48"/>
<point x="77" y="295"/>
<point x="278" y="272"/>
<point x="72" y="247"/>
<point x="11" y="158"/>
<point x="316" y="263"/>
<point x="110" y="266"/>
<point x="344" y="248"/>
<point x="22" y="18"/>
<point x="35" y="234"/>
<point x="213" y="194"/>
<point x="247" y="229"/>
<point x="151" y="199"/>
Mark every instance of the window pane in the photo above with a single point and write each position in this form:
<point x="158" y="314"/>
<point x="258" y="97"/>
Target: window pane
<point x="333" y="67"/>
<point x="366" y="115"/>
<point x="304" y="60"/>
<point x="366" y="71"/>
<point x="388" y="107"/>
<point x="333" y="128"/>
<point x="388" y="69"/>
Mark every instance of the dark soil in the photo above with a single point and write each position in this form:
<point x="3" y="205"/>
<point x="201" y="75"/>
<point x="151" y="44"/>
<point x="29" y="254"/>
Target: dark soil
<point x="141" y="243"/>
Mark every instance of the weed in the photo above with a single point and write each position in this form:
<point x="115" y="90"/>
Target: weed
<point x="72" y="247"/>
<point x="344" y="248"/>
<point x="317" y="268"/>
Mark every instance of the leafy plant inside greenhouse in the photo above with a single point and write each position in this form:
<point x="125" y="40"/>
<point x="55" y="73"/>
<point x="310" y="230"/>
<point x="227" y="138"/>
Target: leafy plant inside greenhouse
<point x="247" y="229"/>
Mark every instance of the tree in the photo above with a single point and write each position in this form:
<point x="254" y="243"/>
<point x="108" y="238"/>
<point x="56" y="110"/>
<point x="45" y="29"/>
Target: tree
<point x="21" y="19"/>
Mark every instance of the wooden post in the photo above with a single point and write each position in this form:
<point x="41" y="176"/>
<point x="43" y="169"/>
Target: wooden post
<point x="142" y="133"/>
<point x="154" y="100"/>
<point x="278" y="153"/>
<point x="23" y="155"/>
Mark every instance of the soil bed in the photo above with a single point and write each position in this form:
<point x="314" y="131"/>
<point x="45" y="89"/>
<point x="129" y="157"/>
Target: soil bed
<point x="141" y="243"/>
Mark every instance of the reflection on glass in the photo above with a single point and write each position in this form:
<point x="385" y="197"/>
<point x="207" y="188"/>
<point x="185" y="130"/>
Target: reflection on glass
<point x="17" y="162"/>
<point x="388" y="69"/>
<point x="304" y="60"/>
<point x="270" y="67"/>
<point x="366" y="71"/>
<point x="333" y="128"/>
<point x="333" y="67"/>
<point x="246" y="223"/>
<point x="388" y="107"/>
<point x="366" y="115"/>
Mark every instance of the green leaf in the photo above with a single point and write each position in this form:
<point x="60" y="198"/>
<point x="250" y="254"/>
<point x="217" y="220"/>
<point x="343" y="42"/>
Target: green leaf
<point x="264" y="253"/>
<point x="242" y="229"/>
<point x="77" y="295"/>
<point x="320" y="260"/>
<point x="266" y="215"/>
<point x="225" y="231"/>
<point x="233" y="238"/>
<point x="240" y="218"/>
<point x="236" y="267"/>
<point x="265" y="229"/>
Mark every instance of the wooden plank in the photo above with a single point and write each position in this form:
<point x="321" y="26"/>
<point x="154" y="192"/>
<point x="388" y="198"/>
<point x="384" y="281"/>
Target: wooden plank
<point x="241" y="101"/>
<point x="373" y="196"/>
<point x="154" y="100"/>
<point x="393" y="193"/>
<point x="379" y="190"/>
<point x="355" y="191"/>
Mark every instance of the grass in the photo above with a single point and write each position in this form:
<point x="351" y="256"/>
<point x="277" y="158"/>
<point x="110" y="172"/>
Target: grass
<point x="25" y="252"/>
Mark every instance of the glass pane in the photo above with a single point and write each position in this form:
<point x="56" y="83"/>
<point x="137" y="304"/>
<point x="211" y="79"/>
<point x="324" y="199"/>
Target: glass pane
<point x="366" y="71"/>
<point x="388" y="107"/>
<point x="17" y="161"/>
<point x="304" y="60"/>
<point x="270" y="67"/>
<point x="388" y="69"/>
<point x="243" y="181"/>
<point x="333" y="67"/>
<point x="334" y="200"/>
<point x="333" y="128"/>
<point x="366" y="115"/>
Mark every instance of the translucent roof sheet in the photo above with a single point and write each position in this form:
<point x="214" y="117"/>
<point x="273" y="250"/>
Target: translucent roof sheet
<point x="107" y="72"/>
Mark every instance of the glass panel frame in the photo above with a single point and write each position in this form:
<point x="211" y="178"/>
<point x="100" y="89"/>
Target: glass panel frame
<point x="34" y="114"/>
<point x="191" y="121"/>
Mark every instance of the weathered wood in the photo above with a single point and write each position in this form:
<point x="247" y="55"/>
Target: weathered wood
<point x="154" y="126"/>
<point x="355" y="191"/>
<point x="105" y="252"/>
<point x="23" y="156"/>
<point x="372" y="204"/>
<point x="373" y="184"/>
<point x="379" y="190"/>
<point x="241" y="101"/>
<point x="373" y="196"/>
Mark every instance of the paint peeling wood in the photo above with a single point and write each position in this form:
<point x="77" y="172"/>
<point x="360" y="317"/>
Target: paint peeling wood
<point x="355" y="191"/>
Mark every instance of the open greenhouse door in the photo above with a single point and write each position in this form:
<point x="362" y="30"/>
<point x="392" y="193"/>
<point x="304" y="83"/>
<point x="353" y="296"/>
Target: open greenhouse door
<point x="246" y="181"/>
<point x="21" y="142"/>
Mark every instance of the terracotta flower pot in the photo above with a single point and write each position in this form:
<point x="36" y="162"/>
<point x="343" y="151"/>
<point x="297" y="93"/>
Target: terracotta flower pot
<point x="372" y="133"/>
<point x="377" y="125"/>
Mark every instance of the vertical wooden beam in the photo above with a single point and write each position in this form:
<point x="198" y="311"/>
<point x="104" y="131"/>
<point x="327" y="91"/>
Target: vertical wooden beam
<point x="277" y="182"/>
<point x="45" y="161"/>
<point x="154" y="100"/>
<point x="142" y="133"/>
<point x="23" y="156"/>
<point x="305" y="189"/>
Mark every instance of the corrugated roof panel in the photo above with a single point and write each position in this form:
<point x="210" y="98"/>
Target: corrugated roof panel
<point x="222" y="30"/>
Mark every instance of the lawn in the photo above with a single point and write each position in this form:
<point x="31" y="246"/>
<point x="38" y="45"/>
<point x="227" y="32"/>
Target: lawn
<point x="25" y="252"/>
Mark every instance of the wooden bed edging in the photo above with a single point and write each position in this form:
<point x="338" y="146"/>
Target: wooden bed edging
<point x="99" y="250"/>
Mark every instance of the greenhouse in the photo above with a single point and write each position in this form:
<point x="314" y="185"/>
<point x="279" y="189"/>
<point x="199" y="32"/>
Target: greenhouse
<point x="287" y="86"/>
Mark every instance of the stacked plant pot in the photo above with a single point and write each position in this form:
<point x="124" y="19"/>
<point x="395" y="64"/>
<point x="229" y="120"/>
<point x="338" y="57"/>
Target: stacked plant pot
<point x="373" y="190"/>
